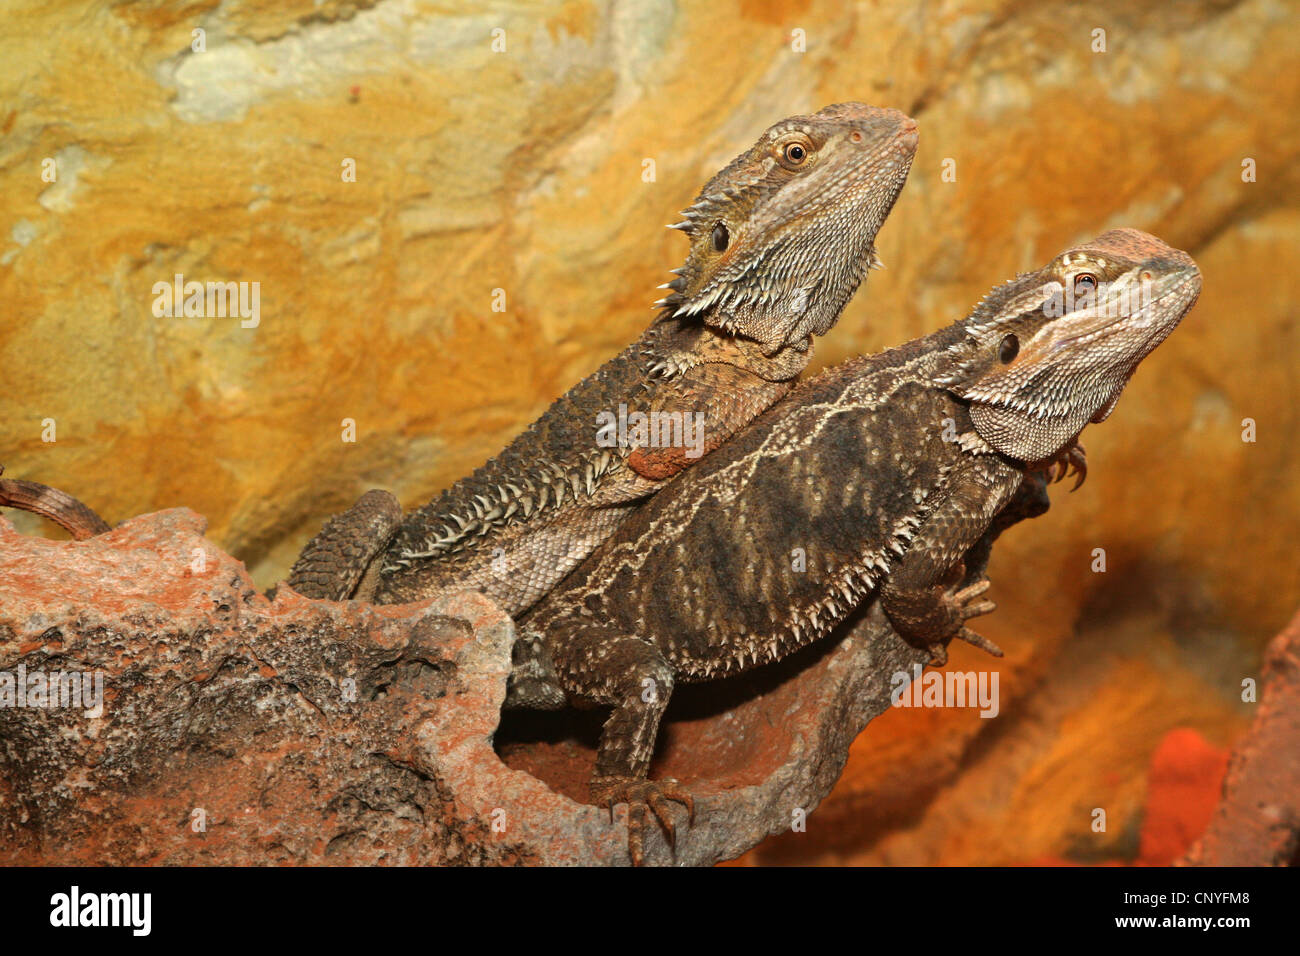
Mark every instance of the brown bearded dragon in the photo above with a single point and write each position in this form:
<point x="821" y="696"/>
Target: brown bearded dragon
<point x="891" y="471"/>
<point x="780" y="240"/>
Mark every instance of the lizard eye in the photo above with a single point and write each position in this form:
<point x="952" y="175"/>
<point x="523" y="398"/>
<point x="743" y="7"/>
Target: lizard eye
<point x="1009" y="349"/>
<point x="721" y="237"/>
<point x="796" y="153"/>
<point x="1085" y="284"/>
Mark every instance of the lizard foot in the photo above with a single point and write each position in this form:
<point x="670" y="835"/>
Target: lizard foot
<point x="1073" y="460"/>
<point x="962" y="609"/>
<point x="643" y="797"/>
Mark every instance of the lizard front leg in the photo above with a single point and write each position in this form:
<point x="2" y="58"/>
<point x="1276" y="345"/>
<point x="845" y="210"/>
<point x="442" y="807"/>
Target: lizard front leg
<point x="711" y="403"/>
<point x="918" y="596"/>
<point x="715" y="399"/>
<point x="1030" y="501"/>
<point x="598" y="663"/>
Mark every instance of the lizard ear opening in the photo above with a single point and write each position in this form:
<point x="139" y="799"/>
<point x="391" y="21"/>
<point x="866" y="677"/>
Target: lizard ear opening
<point x="721" y="237"/>
<point x="1033" y="398"/>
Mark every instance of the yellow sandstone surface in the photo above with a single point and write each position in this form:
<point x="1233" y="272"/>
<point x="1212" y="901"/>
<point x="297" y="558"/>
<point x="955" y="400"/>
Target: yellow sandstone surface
<point x="514" y="166"/>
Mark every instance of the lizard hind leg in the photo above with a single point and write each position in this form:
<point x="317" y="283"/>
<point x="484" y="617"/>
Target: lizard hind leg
<point x="599" y="663"/>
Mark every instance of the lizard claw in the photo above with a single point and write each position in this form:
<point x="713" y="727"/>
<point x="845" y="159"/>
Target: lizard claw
<point x="939" y="652"/>
<point x="978" y="640"/>
<point x="1071" y="461"/>
<point x="960" y="598"/>
<point x="964" y="607"/>
<point x="960" y="601"/>
<point x="644" y="797"/>
<point x="1078" y="460"/>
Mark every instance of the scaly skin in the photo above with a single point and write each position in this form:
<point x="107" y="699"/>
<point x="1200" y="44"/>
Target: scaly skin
<point x="61" y="508"/>
<point x="780" y="240"/>
<point x="891" y="472"/>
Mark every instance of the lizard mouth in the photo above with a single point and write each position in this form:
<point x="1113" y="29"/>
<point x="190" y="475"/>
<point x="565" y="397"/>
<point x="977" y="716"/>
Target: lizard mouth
<point x="907" y="137"/>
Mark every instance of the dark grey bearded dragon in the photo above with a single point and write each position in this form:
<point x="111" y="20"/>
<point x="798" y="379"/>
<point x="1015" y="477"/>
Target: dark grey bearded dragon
<point x="889" y="470"/>
<point x="780" y="240"/>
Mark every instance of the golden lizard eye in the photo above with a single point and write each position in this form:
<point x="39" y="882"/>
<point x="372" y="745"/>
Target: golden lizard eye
<point x="795" y="153"/>
<point x="721" y="238"/>
<point x="1009" y="349"/>
<point x="1085" y="284"/>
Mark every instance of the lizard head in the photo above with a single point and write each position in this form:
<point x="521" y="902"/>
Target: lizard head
<point x="1051" y="351"/>
<point x="783" y="236"/>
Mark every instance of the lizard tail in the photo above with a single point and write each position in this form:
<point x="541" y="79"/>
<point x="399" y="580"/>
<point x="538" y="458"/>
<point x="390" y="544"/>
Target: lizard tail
<point x="340" y="563"/>
<point x="61" y="508"/>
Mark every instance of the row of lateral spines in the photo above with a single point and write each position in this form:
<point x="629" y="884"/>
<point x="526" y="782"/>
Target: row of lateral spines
<point x="555" y="460"/>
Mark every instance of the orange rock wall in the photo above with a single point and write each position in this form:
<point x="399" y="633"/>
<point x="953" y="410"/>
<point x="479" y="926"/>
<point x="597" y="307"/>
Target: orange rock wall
<point x="525" y="171"/>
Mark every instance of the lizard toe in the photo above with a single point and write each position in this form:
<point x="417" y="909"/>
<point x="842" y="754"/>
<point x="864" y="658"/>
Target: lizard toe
<point x="979" y="640"/>
<point x="643" y="798"/>
<point x="968" y="593"/>
<point x="636" y="823"/>
<point x="975" y="610"/>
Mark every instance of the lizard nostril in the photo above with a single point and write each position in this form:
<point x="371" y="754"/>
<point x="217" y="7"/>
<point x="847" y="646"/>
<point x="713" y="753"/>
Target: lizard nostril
<point x="856" y="136"/>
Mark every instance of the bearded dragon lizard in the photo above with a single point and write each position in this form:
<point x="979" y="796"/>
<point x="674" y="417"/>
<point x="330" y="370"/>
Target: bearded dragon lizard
<point x="891" y="471"/>
<point x="780" y="240"/>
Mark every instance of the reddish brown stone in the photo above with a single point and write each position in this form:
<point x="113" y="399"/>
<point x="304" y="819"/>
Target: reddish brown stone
<point x="1258" y="821"/>
<point x="222" y="704"/>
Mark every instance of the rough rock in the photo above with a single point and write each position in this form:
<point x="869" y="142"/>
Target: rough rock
<point x="240" y="730"/>
<point x="1257" y="823"/>
<point x="525" y="171"/>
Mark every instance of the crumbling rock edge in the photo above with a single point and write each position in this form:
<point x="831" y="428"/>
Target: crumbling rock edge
<point x="241" y="730"/>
